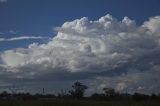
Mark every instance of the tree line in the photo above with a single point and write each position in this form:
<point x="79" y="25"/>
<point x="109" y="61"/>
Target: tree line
<point x="77" y="92"/>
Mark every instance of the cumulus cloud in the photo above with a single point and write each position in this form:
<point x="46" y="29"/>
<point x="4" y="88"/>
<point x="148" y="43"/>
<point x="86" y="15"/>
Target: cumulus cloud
<point x="104" y="53"/>
<point x="21" y="38"/>
<point x="153" y="24"/>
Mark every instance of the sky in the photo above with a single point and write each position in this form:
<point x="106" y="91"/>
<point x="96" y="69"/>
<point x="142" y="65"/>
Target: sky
<point x="105" y="43"/>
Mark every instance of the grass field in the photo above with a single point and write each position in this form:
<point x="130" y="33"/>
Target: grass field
<point x="78" y="103"/>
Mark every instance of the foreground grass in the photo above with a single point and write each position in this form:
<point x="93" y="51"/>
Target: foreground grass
<point x="78" y="103"/>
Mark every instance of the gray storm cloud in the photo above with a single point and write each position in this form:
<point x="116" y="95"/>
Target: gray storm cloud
<point x="104" y="52"/>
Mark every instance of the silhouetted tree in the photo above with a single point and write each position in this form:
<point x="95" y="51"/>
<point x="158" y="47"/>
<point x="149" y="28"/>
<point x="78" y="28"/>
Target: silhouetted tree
<point x="63" y="93"/>
<point x="78" y="90"/>
<point x="4" y="95"/>
<point x="109" y="92"/>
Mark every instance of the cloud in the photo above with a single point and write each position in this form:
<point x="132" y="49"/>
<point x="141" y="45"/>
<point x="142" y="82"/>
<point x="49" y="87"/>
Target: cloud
<point x="21" y="38"/>
<point x="1" y="33"/>
<point x="103" y="53"/>
<point x="143" y="82"/>
<point x="153" y="24"/>
<point x="3" y="1"/>
<point x="12" y="32"/>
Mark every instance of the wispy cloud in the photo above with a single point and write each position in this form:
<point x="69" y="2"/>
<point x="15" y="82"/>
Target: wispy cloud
<point x="3" y="1"/>
<point x="1" y="33"/>
<point x="2" y="39"/>
<point x="22" y="38"/>
<point x="12" y="32"/>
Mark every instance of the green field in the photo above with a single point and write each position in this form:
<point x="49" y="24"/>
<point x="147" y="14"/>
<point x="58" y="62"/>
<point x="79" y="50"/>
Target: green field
<point x="78" y="103"/>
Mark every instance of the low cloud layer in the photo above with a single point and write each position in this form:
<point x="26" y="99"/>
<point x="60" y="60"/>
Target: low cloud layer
<point x="103" y="53"/>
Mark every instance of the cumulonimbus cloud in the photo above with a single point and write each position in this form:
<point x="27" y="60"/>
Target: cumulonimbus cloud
<point x="101" y="51"/>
